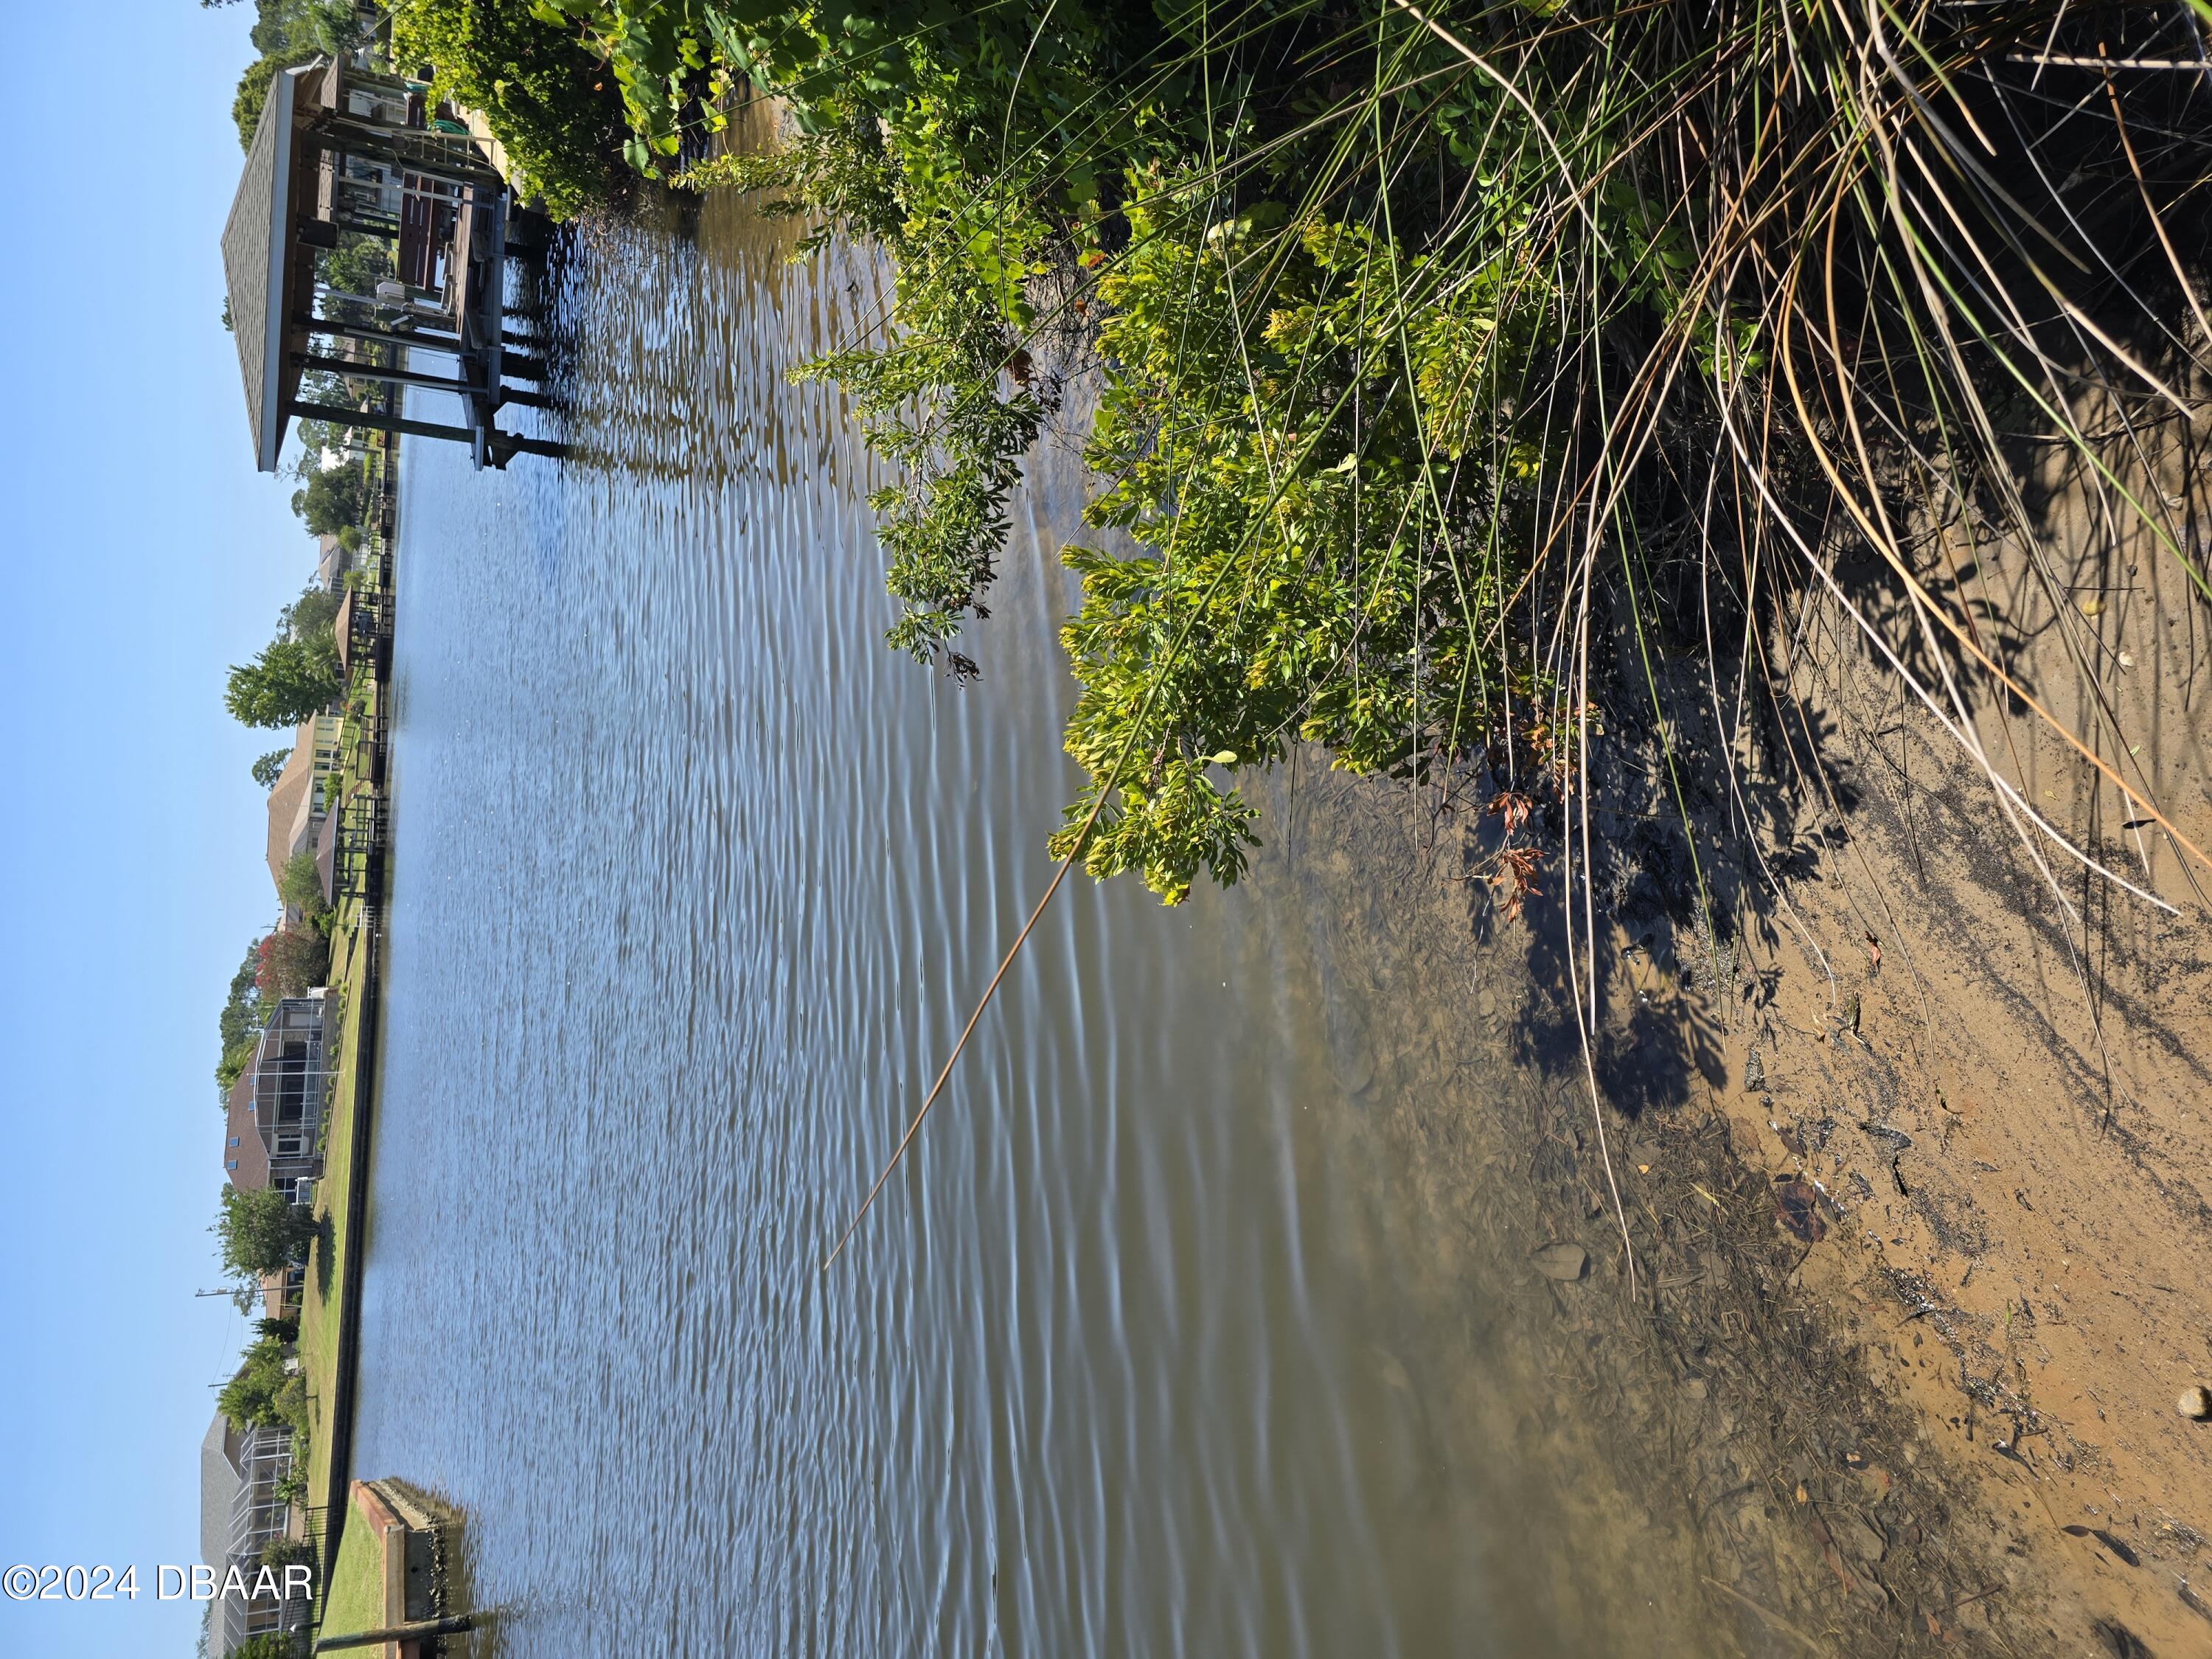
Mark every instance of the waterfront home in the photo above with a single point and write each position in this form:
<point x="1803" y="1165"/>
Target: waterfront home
<point x="295" y="804"/>
<point x="240" y="1516"/>
<point x="274" y="1123"/>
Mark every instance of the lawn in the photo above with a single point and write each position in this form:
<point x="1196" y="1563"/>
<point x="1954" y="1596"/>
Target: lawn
<point x="319" y="1302"/>
<point x="353" y="1599"/>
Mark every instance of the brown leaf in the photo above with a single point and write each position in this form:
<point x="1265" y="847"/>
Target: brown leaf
<point x="1798" y="1206"/>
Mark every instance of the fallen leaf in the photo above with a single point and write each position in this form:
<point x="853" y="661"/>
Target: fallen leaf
<point x="1798" y="1206"/>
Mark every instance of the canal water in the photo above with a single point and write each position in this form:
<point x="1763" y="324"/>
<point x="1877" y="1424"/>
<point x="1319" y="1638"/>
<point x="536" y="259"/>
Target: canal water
<point x="1171" y="1337"/>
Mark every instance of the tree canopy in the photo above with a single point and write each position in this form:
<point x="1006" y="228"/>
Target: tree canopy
<point x="301" y="884"/>
<point x="292" y="962"/>
<point x="549" y="99"/>
<point x="254" y="91"/>
<point x="261" y="1232"/>
<point x="357" y="265"/>
<point x="240" y="1023"/>
<point x="291" y="681"/>
<point x="332" y="500"/>
<point x="313" y="612"/>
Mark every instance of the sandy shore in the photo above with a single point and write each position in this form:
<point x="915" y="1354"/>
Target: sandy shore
<point x="1913" y="1165"/>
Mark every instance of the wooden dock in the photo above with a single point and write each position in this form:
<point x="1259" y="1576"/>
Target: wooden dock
<point x="476" y="303"/>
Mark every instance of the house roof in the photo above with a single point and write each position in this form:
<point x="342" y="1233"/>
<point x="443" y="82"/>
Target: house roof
<point x="342" y="630"/>
<point x="219" y="1484"/>
<point x="326" y="856"/>
<point x="331" y="560"/>
<point x="265" y="267"/>
<point x="292" y="803"/>
<point x="251" y="1155"/>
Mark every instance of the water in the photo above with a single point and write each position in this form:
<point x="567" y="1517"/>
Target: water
<point x="1174" y="1335"/>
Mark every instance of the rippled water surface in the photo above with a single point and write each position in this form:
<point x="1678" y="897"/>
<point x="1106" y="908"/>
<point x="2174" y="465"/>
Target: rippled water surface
<point x="695" y="883"/>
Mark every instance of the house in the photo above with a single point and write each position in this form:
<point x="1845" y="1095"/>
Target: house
<point x="275" y="1116"/>
<point x="331" y="560"/>
<point x="240" y="1516"/>
<point x="245" y="1154"/>
<point x="296" y="803"/>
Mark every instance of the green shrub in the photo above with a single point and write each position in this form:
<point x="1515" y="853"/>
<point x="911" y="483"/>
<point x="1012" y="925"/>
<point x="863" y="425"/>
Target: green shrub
<point x="301" y="884"/>
<point x="555" y="105"/>
<point x="270" y="1644"/>
<point x="262" y="1393"/>
<point x="292" y="962"/>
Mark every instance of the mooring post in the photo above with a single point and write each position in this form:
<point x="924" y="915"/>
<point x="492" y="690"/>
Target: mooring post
<point x="453" y="1624"/>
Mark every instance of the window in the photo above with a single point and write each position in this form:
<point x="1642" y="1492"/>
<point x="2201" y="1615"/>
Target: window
<point x="234" y="1142"/>
<point x="232" y="1164"/>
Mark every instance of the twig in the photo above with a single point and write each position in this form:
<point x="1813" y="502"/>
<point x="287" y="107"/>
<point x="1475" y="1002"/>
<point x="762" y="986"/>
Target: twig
<point x="1774" y="1618"/>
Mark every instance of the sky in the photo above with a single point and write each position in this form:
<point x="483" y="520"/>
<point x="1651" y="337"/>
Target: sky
<point x="141" y="555"/>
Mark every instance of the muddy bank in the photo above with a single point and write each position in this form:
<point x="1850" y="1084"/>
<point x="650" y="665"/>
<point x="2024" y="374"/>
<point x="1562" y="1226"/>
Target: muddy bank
<point x="1909" y="1136"/>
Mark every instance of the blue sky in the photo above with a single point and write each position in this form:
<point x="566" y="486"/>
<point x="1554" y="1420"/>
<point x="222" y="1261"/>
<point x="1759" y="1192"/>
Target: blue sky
<point x="143" y="555"/>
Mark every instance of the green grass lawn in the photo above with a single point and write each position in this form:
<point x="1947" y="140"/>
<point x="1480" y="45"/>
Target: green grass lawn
<point x="353" y="1599"/>
<point x="318" y="1303"/>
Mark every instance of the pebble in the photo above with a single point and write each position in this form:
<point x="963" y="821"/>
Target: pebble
<point x="2195" y="1402"/>
<point x="1565" y="1262"/>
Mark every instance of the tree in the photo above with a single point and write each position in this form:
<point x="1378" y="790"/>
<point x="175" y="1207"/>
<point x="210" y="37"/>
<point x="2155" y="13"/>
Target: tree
<point x="332" y="500"/>
<point x="549" y="99"/>
<point x="240" y="1023"/>
<point x="291" y="681"/>
<point x="357" y="265"/>
<point x="292" y="962"/>
<point x="269" y="1644"/>
<point x="261" y="1232"/>
<point x="253" y="90"/>
<point x="265" y="769"/>
<point x="301" y="884"/>
<point x="311" y="613"/>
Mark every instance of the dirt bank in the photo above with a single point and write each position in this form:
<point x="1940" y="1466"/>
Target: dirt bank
<point x="1912" y="1144"/>
<point x="1996" y="1060"/>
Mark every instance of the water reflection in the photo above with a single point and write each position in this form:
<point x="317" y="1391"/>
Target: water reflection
<point x="1165" y="1341"/>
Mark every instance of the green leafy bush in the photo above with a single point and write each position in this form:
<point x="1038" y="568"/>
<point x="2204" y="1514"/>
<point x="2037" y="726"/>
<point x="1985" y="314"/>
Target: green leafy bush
<point x="301" y="884"/>
<point x="292" y="962"/>
<point x="1316" y="495"/>
<point x="260" y="1233"/>
<point x="553" y="102"/>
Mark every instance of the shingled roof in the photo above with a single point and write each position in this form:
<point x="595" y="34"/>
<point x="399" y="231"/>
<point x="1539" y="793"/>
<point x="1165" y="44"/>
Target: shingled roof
<point x="265" y="269"/>
<point x="219" y="1484"/>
